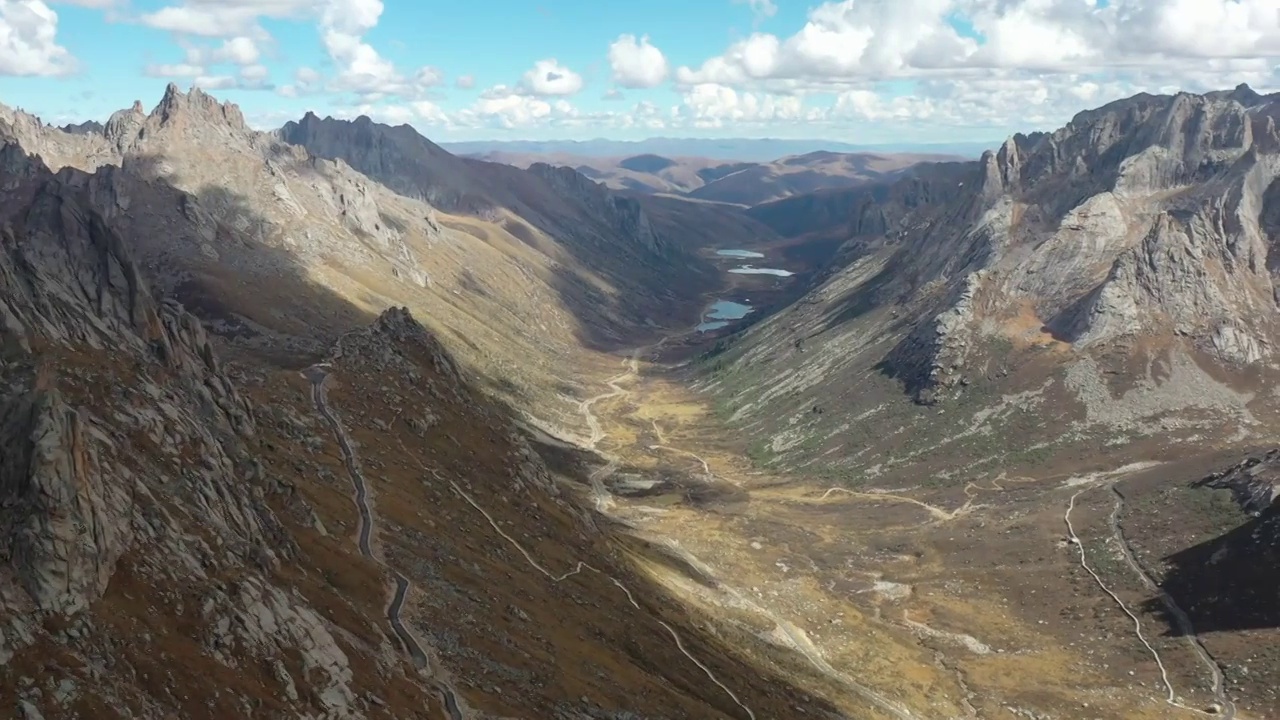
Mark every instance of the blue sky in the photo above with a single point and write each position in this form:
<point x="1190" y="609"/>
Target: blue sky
<point x="853" y="70"/>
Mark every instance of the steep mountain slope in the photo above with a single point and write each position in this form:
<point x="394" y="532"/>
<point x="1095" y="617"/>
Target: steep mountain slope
<point x="1115" y="275"/>
<point x="243" y="228"/>
<point x="1030" y="390"/>
<point x="735" y="182"/>
<point x="138" y="486"/>
<point x="184" y="536"/>
<point x="637" y="173"/>
<point x="643" y="258"/>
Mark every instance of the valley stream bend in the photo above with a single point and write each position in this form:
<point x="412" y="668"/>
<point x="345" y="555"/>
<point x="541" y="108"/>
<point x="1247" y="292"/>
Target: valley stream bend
<point x="317" y="375"/>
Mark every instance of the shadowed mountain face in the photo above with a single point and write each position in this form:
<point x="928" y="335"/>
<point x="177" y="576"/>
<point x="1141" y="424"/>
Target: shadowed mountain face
<point x="646" y="163"/>
<point x="645" y="257"/>
<point x="178" y="535"/>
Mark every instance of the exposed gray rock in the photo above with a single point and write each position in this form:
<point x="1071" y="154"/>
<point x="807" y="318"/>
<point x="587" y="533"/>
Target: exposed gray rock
<point x="65" y="524"/>
<point x="1123" y="266"/>
<point x="28" y="711"/>
<point x="622" y="213"/>
<point x="1254" y="482"/>
<point x="124" y="434"/>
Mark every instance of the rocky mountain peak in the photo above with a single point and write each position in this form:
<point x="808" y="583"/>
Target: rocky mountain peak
<point x="196" y="106"/>
<point x="123" y="125"/>
<point x="1144" y="228"/>
<point x="567" y="178"/>
<point x="1245" y="95"/>
<point x="17" y="123"/>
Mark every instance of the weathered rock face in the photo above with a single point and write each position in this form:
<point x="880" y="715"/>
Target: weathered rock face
<point x="398" y="157"/>
<point x="66" y="522"/>
<point x="124" y="436"/>
<point x="69" y="284"/>
<point x="1141" y="218"/>
<point x="1254" y="482"/>
<point x="1141" y="232"/>
<point x="88" y="127"/>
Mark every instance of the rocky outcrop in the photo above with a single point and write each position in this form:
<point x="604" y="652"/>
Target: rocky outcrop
<point x="86" y="150"/>
<point x="1254" y="482"/>
<point x="65" y="521"/>
<point x="69" y="284"/>
<point x="1144" y="217"/>
<point x="397" y="157"/>
<point x="88" y="127"/>
<point x="125" y="436"/>
<point x="1086" y="267"/>
<point x="394" y="342"/>
<point x="261" y="621"/>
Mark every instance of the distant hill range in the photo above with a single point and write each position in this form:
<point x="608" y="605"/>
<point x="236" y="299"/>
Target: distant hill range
<point x="743" y="183"/>
<point x="742" y="149"/>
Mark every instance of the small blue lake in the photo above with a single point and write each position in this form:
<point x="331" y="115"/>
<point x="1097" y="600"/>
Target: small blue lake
<point x="748" y="270"/>
<point x="721" y="313"/>
<point x="740" y="253"/>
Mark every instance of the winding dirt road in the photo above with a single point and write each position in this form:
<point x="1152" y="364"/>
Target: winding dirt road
<point x="578" y="568"/>
<point x="795" y="637"/>
<point x="601" y="496"/>
<point x="317" y="374"/>
<point x="937" y="512"/>
<point x="1228" y="707"/>
<point x="1217" y="681"/>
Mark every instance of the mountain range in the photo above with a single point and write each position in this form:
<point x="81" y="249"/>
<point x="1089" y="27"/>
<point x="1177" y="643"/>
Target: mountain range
<point x="332" y="422"/>
<point x="730" y="149"/>
<point x="736" y="183"/>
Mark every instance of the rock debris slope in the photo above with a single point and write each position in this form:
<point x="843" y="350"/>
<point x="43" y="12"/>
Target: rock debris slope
<point x="1118" y="274"/>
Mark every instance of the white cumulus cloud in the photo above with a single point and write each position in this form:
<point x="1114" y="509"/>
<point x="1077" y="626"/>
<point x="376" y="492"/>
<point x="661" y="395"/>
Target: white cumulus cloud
<point x="29" y="40"/>
<point x="549" y="77"/>
<point x="637" y="64"/>
<point x="851" y="41"/>
<point x="359" y="68"/>
<point x="848" y="68"/>
<point x="709" y="105"/>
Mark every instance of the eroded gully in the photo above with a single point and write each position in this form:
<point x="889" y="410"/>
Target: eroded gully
<point x="317" y="374"/>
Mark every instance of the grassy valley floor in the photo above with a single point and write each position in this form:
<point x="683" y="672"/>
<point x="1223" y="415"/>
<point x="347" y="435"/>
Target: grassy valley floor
<point x="967" y="599"/>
